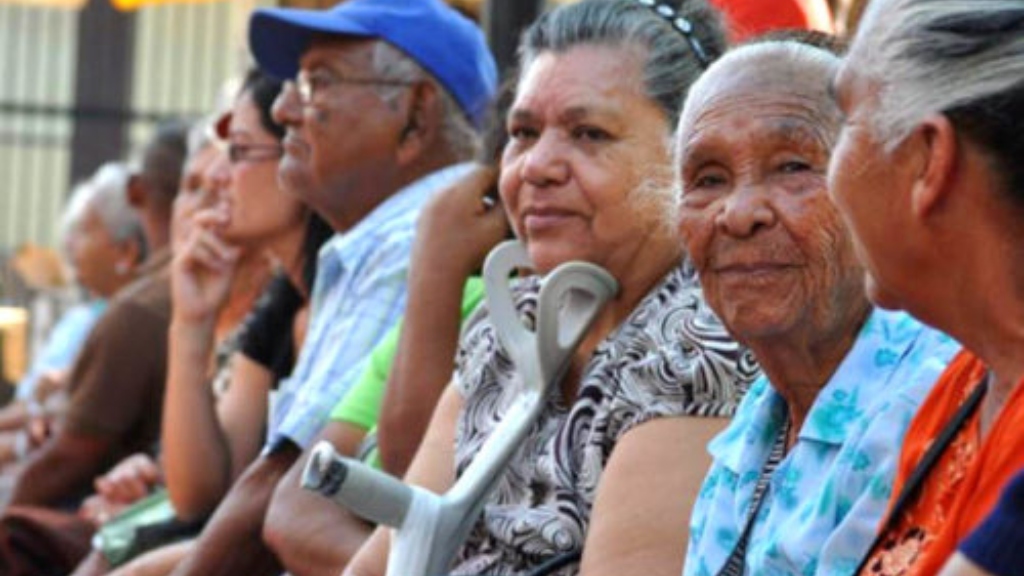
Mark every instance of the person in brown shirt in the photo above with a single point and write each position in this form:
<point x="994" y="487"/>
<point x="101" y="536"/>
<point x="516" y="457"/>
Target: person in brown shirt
<point x="117" y="382"/>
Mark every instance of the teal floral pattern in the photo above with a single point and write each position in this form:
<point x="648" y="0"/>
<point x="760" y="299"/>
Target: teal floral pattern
<point x="828" y="495"/>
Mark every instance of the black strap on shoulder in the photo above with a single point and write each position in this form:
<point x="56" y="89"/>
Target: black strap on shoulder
<point x="556" y="563"/>
<point x="552" y="564"/>
<point x="912" y="487"/>
<point x="736" y="563"/>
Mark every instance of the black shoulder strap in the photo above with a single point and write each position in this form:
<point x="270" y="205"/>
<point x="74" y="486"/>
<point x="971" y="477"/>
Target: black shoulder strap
<point x="736" y="563"/>
<point x="912" y="487"/>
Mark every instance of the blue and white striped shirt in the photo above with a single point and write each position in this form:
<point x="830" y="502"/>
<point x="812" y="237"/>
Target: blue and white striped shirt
<point x="359" y="293"/>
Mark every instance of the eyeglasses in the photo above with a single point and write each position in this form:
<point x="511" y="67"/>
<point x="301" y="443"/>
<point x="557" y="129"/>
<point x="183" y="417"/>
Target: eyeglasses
<point x="238" y="152"/>
<point x="317" y="82"/>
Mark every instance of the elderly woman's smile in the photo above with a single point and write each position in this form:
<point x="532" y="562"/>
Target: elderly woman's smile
<point x="770" y="246"/>
<point x="540" y="219"/>
<point x="575" y="180"/>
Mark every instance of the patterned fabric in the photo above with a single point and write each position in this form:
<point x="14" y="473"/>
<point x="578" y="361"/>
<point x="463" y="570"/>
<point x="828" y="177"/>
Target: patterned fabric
<point x="965" y="484"/>
<point x="902" y="546"/>
<point x="828" y="495"/>
<point x="359" y="293"/>
<point x="220" y="380"/>
<point x="736" y="563"/>
<point x="671" y="357"/>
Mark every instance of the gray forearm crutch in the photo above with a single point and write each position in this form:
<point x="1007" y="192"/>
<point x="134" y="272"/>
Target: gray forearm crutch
<point x="429" y="528"/>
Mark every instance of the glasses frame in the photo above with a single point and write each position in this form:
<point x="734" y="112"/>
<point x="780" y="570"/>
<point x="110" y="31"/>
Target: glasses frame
<point x="252" y="152"/>
<point x="306" y="89"/>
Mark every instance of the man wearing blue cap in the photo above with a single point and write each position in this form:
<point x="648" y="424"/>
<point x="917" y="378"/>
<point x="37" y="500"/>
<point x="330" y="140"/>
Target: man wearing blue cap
<point x="386" y="99"/>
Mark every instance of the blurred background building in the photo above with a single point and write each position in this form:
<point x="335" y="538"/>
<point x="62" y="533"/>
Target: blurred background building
<point x="83" y="82"/>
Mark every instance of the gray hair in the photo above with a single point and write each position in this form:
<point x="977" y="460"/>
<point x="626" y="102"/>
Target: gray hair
<point x="781" y="57"/>
<point x="671" y="61"/>
<point x="790" y="55"/>
<point x="962" y="58"/>
<point x="106" y="192"/>
<point x="456" y="130"/>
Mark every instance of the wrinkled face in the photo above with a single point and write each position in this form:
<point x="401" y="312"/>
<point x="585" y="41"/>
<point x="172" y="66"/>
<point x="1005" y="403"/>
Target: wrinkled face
<point x="772" y="252"/>
<point x="197" y="191"/>
<point x="343" y="137"/>
<point x="258" y="208"/>
<point x="586" y="149"/>
<point x="95" y="255"/>
<point x="867" y="184"/>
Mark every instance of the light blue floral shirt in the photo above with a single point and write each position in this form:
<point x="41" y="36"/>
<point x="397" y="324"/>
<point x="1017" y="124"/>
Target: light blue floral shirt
<point x="829" y="493"/>
<point x="359" y="293"/>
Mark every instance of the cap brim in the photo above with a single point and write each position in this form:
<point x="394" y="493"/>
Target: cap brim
<point x="279" y="36"/>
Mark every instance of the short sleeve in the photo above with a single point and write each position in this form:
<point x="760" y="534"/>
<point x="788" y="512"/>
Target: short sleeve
<point x="268" y="338"/>
<point x="361" y="406"/>
<point x="997" y="544"/>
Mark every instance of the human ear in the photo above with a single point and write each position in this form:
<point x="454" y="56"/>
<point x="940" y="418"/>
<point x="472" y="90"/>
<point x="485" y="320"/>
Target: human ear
<point x="422" y="122"/>
<point x="136" y="192"/>
<point x="129" y="254"/>
<point x="934" y="156"/>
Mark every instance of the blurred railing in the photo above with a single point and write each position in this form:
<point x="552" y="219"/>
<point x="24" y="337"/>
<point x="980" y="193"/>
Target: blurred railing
<point x="180" y="54"/>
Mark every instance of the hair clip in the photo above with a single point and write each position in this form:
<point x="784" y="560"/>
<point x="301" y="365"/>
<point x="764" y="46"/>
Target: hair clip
<point x="682" y="25"/>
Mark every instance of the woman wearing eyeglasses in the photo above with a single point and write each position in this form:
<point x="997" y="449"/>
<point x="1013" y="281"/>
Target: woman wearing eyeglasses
<point x="214" y="420"/>
<point x="207" y="443"/>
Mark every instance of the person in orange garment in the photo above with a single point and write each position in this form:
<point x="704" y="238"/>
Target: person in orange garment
<point x="749" y="18"/>
<point x="927" y="172"/>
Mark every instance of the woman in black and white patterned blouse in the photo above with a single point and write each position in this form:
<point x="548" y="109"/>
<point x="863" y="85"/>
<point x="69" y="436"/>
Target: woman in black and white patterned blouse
<point x="586" y="177"/>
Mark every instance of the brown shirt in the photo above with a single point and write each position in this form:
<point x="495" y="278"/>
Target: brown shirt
<point x="117" y="382"/>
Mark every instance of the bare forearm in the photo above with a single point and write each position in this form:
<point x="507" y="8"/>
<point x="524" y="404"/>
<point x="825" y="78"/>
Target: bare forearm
<point x="195" y="456"/>
<point x="372" y="559"/>
<point x="433" y="468"/>
<point x="158" y="562"/>
<point x="320" y="548"/>
<point x="310" y="535"/>
<point x="14" y="416"/>
<point x="231" y="543"/>
<point x="423" y="363"/>
<point x="62" y="468"/>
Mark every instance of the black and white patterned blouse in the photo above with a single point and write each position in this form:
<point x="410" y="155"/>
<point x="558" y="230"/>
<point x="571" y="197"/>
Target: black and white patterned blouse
<point x="671" y="357"/>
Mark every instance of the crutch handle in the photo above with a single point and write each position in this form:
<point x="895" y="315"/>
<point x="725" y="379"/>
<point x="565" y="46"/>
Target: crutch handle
<point x="370" y="493"/>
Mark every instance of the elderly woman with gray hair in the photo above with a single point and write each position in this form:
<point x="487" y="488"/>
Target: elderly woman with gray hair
<point x="585" y="177"/>
<point x="102" y="240"/>
<point x="933" y="93"/>
<point x="800" y="477"/>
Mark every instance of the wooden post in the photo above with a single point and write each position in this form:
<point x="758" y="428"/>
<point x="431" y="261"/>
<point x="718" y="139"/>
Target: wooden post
<point x="503" y="22"/>
<point x="102" y="87"/>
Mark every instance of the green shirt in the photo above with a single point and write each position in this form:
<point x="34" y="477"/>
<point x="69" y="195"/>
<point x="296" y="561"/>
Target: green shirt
<point x="361" y="405"/>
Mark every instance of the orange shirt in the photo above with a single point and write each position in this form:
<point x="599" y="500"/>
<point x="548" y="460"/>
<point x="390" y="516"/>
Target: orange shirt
<point x="966" y="482"/>
<point x="749" y="18"/>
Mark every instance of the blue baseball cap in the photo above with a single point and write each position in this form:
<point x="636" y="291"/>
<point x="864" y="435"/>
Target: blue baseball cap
<point x="445" y="43"/>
